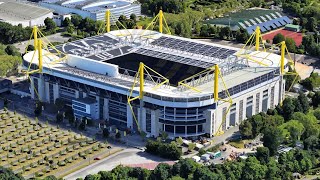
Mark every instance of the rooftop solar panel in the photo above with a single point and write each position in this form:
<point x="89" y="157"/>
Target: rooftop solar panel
<point x="287" y="20"/>
<point x="242" y="25"/>
<point x="268" y="17"/>
<point x="174" y="58"/>
<point x="263" y="18"/>
<point x="277" y="23"/>
<point x="258" y="20"/>
<point x="253" y="22"/>
<point x="247" y="23"/>
<point x="192" y="47"/>
<point x="273" y="15"/>
<point x="279" y="15"/>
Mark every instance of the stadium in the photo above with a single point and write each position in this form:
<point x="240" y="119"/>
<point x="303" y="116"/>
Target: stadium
<point x="155" y="82"/>
<point x="93" y="9"/>
<point x="28" y="15"/>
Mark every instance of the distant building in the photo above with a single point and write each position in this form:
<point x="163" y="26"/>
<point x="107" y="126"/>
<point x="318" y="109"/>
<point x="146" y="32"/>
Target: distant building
<point x="267" y="20"/>
<point x="93" y="9"/>
<point x="27" y="15"/>
<point x="58" y="19"/>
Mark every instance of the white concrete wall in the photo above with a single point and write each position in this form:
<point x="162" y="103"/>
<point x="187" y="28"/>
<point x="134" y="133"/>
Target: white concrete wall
<point x="65" y="10"/>
<point x="105" y="109"/>
<point x="129" y="118"/>
<point x="47" y="92"/>
<point x="30" y="23"/>
<point x="31" y="88"/>
<point x="93" y="66"/>
<point x="218" y="113"/>
<point x="55" y="91"/>
<point x="154" y="123"/>
<point x="41" y="88"/>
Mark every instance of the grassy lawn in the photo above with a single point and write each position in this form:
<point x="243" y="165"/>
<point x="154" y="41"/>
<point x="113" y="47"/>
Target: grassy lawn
<point x="237" y="144"/>
<point x="34" y="149"/>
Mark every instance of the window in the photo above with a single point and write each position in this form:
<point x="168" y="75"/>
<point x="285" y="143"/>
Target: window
<point x="233" y="115"/>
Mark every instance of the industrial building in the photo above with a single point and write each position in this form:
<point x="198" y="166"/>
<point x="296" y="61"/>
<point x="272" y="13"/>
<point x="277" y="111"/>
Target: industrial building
<point x="26" y="14"/>
<point x="267" y="20"/>
<point x="93" y="9"/>
<point x="155" y="82"/>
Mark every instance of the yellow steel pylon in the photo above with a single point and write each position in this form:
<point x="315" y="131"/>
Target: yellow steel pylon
<point x="142" y="71"/>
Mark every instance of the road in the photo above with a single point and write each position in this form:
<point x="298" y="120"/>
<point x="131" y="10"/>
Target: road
<point x="125" y="157"/>
<point x="52" y="38"/>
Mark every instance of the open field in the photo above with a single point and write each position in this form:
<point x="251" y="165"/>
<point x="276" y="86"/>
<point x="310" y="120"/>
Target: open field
<point x="35" y="149"/>
<point x="297" y="37"/>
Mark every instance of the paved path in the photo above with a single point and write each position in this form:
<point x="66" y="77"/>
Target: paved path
<point x="52" y="38"/>
<point x="125" y="157"/>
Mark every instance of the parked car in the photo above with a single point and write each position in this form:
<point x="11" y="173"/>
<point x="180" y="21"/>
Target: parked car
<point x="97" y="158"/>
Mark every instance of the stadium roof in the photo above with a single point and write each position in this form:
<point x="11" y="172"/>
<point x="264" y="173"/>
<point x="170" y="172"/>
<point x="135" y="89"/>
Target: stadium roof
<point x="21" y="11"/>
<point x="175" y="58"/>
<point x="180" y="50"/>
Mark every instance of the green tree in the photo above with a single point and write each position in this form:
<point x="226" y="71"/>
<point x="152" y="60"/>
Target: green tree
<point x="191" y="146"/>
<point x="302" y="98"/>
<point x="295" y="128"/>
<point x="311" y="143"/>
<point x="133" y="17"/>
<point x="11" y="50"/>
<point x="316" y="99"/>
<point x="278" y="39"/>
<point x="179" y="141"/>
<point x="9" y="174"/>
<point x="70" y="29"/>
<point x="76" y="20"/>
<point x="161" y="172"/>
<point x="256" y="3"/>
<point x="273" y="170"/>
<point x="51" y="177"/>
<point x="246" y="129"/>
<point x="272" y="139"/>
<point x="288" y="108"/>
<point x="291" y="45"/>
<point x="92" y="177"/>
<point x="66" y="22"/>
<point x="204" y="31"/>
<point x="312" y="24"/>
<point x="203" y="173"/>
<point x="50" y="25"/>
<point x="242" y="35"/>
<point x="253" y="170"/>
<point x="30" y="47"/>
<point x="263" y="155"/>
<point x="188" y="166"/>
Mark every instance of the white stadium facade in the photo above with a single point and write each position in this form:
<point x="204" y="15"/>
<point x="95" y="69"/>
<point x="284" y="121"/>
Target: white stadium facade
<point x="97" y="76"/>
<point x="93" y="9"/>
<point x="26" y="14"/>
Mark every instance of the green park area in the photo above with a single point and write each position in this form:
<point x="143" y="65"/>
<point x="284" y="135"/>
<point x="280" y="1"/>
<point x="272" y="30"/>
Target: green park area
<point x="35" y="149"/>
